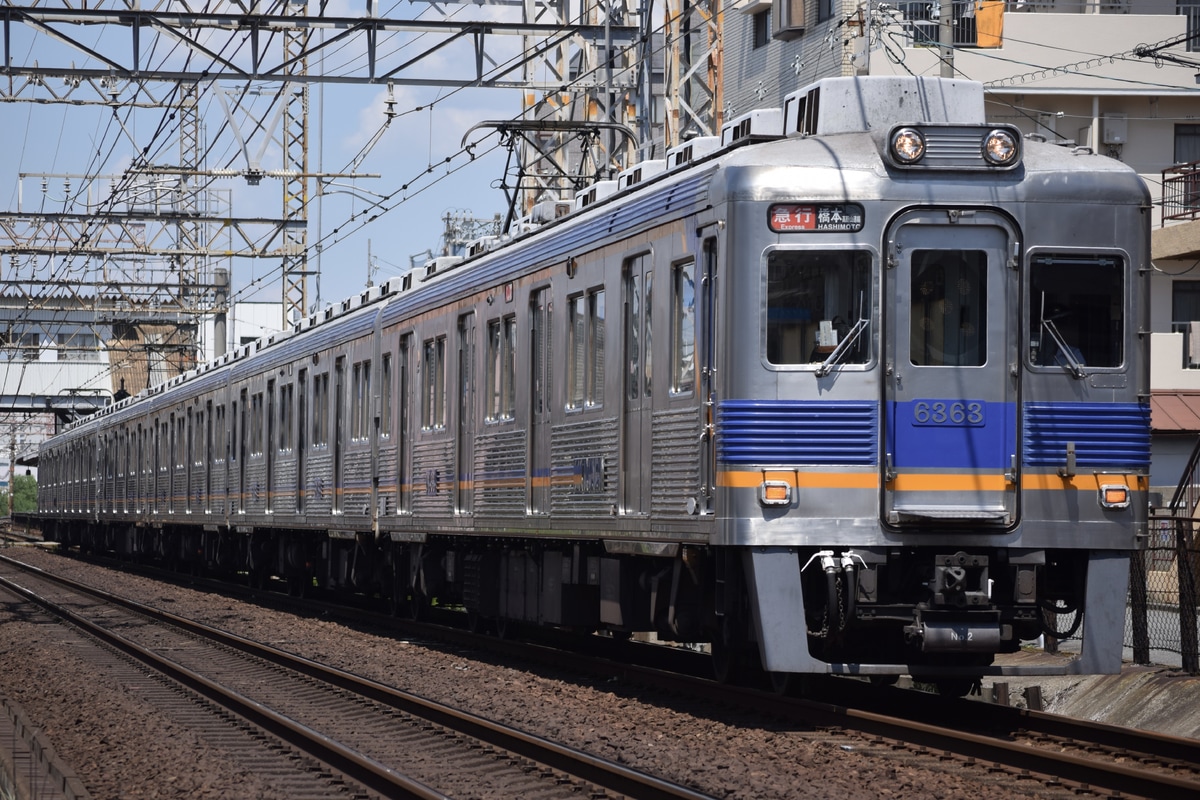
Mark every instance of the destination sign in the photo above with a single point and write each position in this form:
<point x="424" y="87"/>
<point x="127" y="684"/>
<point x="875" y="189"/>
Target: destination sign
<point x="818" y="217"/>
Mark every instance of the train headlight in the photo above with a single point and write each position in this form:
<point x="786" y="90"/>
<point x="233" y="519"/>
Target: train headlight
<point x="908" y="145"/>
<point x="1000" y="147"/>
<point x="1114" y="495"/>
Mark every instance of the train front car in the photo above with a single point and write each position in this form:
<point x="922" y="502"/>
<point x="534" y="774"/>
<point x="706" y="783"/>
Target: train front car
<point x="932" y="423"/>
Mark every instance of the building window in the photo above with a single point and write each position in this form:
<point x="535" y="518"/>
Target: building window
<point x="1185" y="319"/>
<point x="585" y="370"/>
<point x="1187" y="143"/>
<point x="762" y="29"/>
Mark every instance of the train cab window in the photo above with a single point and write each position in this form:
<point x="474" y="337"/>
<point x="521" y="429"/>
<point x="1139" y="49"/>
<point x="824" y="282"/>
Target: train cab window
<point x="817" y="299"/>
<point x="949" y="308"/>
<point x="1076" y="312"/>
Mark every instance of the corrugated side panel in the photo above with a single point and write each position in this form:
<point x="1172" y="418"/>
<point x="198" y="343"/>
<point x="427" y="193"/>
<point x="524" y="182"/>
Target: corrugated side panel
<point x="500" y="473"/>
<point x="675" y="471"/>
<point x="578" y="447"/>
<point x="1111" y="435"/>
<point x="797" y="432"/>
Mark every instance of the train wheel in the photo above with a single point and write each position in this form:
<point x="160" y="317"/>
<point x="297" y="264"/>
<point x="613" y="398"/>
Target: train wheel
<point x="786" y="683"/>
<point x="505" y="628"/>
<point x="418" y="606"/>
<point x="729" y="663"/>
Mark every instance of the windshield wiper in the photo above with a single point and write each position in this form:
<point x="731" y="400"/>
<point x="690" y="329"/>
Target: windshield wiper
<point x="1073" y="365"/>
<point x="844" y="347"/>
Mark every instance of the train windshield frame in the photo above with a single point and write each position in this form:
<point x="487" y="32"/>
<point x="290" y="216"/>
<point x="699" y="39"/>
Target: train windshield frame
<point x="1077" y="311"/>
<point x="815" y="299"/>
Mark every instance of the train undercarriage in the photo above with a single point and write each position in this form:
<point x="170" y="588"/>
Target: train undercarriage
<point x="946" y="611"/>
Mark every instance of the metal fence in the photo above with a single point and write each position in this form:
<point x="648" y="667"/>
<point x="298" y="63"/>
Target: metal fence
<point x="1162" y="593"/>
<point x="1163" y="578"/>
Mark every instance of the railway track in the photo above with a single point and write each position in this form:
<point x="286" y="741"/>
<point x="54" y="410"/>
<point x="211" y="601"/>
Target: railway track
<point x="354" y="737"/>
<point x="1065" y="756"/>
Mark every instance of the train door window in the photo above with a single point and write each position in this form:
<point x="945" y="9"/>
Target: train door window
<point x="256" y="424"/>
<point x="585" y="380"/>
<point x="433" y="392"/>
<point x="403" y="494"/>
<point x="639" y="338"/>
<point x="301" y="437"/>
<point x="219" y="437"/>
<point x="286" y="417"/>
<point x="1076" y="311"/>
<point x="320" y="410"/>
<point x="500" y="372"/>
<point x="385" y="396"/>
<point x="683" y="328"/>
<point x="949" y="308"/>
<point x="815" y="299"/>
<point x="360" y="387"/>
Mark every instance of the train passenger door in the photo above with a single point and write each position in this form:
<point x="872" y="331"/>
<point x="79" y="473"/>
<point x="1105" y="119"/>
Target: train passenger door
<point x="637" y="349"/>
<point x="949" y="418"/>
<point x="269" y="448"/>
<point x="465" y="427"/>
<point x="539" y="396"/>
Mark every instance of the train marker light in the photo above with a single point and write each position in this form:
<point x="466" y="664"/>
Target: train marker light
<point x="908" y="145"/>
<point x="775" y="493"/>
<point x="999" y="147"/>
<point x="1114" y="496"/>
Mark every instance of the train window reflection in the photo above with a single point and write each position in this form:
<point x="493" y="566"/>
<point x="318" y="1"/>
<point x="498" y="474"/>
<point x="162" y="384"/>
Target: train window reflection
<point x="949" y="308"/>
<point x="1076" y="314"/>
<point x="814" y="298"/>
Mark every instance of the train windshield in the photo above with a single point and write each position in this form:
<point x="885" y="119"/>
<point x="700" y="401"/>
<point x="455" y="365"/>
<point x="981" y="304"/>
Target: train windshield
<point x="815" y="299"/>
<point x="1076" y="315"/>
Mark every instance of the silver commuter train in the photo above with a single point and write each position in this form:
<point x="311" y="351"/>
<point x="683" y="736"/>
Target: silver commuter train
<point x="858" y="387"/>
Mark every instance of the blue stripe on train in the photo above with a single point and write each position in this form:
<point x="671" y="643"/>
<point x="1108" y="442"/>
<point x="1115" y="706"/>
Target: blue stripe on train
<point x="1108" y="435"/>
<point x="846" y="433"/>
<point x="797" y="432"/>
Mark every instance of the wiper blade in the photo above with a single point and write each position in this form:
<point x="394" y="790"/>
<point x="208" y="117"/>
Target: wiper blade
<point x="1073" y="365"/>
<point x="838" y="352"/>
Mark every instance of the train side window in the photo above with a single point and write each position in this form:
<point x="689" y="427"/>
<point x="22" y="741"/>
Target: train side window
<point x="433" y="395"/>
<point x="949" y="308"/>
<point x="1076" y="311"/>
<point x="500" y="375"/>
<point x="683" y="328"/>
<point x="585" y="348"/>
<point x="814" y="299"/>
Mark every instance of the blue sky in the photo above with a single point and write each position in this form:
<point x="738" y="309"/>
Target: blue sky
<point x="59" y="138"/>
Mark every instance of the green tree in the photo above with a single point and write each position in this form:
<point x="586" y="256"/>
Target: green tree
<point x="24" y="495"/>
